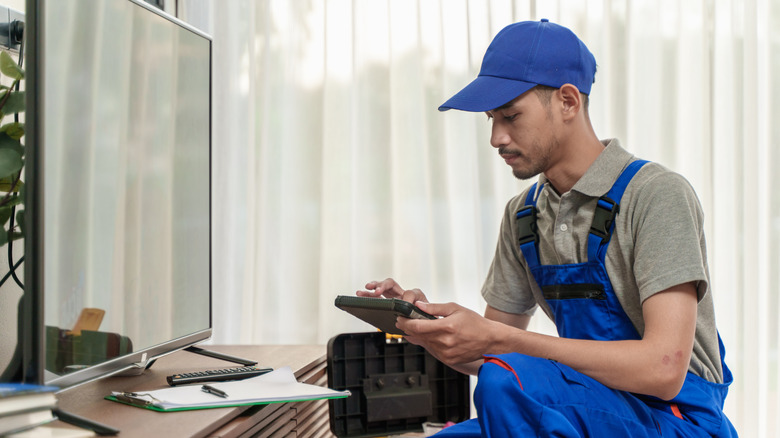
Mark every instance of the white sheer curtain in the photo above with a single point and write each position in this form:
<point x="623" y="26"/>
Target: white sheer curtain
<point x="332" y="166"/>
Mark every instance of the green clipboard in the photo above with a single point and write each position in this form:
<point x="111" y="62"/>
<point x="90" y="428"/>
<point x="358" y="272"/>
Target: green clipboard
<point x="278" y="386"/>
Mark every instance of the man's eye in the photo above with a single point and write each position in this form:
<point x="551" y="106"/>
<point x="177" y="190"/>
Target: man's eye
<point x="510" y="117"/>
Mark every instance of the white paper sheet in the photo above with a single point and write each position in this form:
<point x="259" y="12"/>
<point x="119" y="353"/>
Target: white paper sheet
<point x="277" y="386"/>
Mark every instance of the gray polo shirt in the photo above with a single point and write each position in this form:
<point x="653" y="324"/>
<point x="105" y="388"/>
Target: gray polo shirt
<point x="658" y="242"/>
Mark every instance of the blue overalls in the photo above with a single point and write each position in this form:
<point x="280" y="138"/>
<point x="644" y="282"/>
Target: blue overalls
<point x="524" y="396"/>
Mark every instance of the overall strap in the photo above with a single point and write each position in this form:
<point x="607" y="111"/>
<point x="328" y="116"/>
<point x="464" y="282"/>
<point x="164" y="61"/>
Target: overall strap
<point x="527" y="234"/>
<point x="607" y="208"/>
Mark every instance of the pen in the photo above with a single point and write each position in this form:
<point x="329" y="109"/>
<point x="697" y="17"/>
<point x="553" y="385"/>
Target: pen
<point x="215" y="391"/>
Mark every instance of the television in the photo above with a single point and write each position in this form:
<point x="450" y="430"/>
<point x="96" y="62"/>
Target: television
<point x="118" y="190"/>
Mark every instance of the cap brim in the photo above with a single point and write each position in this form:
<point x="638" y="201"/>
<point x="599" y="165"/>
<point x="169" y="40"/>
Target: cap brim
<point x="486" y="93"/>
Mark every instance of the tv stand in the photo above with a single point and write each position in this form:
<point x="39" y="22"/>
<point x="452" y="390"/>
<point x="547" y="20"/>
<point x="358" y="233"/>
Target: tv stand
<point x="222" y="356"/>
<point x="202" y="352"/>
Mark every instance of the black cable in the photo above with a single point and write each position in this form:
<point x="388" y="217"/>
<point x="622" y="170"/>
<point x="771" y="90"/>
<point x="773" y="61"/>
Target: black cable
<point x="13" y="268"/>
<point x="19" y="63"/>
<point x="18" y="34"/>
<point x="11" y="265"/>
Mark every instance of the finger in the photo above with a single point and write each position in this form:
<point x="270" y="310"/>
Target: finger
<point x="376" y="288"/>
<point x="371" y="285"/>
<point x="392" y="285"/>
<point x="366" y="293"/>
<point x="437" y="309"/>
<point x="414" y="340"/>
<point x="417" y="327"/>
<point x="389" y="288"/>
<point x="414" y="296"/>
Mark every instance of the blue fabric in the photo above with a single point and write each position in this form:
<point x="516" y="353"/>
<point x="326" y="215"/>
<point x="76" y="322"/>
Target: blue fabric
<point x="521" y="56"/>
<point x="585" y="318"/>
<point x="524" y="396"/>
<point x="519" y="395"/>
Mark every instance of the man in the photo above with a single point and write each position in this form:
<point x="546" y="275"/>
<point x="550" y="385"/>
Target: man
<point x="610" y="247"/>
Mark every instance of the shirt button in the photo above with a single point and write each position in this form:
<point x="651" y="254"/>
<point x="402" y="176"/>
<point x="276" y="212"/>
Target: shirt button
<point x="564" y="227"/>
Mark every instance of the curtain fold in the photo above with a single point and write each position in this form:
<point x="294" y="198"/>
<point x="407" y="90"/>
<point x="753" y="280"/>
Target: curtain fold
<point x="332" y="166"/>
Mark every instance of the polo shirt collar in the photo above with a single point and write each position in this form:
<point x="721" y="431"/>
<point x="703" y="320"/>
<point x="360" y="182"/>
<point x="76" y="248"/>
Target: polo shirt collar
<point x="603" y="173"/>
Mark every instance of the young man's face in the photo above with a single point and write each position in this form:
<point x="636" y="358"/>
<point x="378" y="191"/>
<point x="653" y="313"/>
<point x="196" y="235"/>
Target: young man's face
<point x="523" y="132"/>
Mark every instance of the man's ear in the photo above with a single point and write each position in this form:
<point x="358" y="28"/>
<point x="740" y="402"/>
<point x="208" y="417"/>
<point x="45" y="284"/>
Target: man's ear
<point x="571" y="99"/>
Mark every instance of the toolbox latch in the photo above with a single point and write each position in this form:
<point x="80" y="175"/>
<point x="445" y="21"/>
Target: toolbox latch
<point x="397" y="396"/>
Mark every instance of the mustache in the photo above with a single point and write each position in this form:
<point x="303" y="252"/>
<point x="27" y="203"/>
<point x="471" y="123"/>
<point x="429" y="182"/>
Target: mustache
<point x="506" y="151"/>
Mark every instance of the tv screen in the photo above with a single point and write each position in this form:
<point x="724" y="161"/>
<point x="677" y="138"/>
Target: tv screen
<point x="121" y="142"/>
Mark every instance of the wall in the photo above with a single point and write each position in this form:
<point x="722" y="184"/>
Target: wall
<point x="14" y="4"/>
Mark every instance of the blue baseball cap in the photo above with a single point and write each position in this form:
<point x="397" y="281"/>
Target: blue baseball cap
<point x="522" y="56"/>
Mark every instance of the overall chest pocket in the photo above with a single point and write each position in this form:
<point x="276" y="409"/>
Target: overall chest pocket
<point x="586" y="291"/>
<point x="581" y="311"/>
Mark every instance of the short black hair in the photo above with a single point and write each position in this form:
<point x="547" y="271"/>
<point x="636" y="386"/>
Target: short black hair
<point x="545" y="95"/>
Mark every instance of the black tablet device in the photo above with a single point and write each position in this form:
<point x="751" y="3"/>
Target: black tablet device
<point x="380" y="312"/>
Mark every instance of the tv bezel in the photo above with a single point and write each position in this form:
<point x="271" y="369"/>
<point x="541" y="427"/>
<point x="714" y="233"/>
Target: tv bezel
<point x="34" y="341"/>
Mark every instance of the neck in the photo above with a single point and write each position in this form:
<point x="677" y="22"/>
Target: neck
<point x="576" y="157"/>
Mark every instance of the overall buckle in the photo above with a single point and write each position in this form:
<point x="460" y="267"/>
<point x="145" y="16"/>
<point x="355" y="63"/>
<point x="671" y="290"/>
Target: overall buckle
<point x="604" y="217"/>
<point x="526" y="225"/>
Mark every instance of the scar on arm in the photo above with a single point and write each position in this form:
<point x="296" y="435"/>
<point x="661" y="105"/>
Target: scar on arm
<point x="678" y="356"/>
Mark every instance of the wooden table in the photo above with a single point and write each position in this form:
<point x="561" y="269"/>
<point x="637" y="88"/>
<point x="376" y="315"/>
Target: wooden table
<point x="298" y="419"/>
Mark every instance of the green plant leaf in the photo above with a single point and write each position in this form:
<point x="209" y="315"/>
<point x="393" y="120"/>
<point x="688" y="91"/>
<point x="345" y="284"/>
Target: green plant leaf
<point x="3" y="236"/>
<point x="9" y="67"/>
<point x="11" y="201"/>
<point x="5" y="185"/>
<point x="14" y="130"/>
<point x="15" y="103"/>
<point x="6" y="142"/>
<point x="10" y="162"/>
<point x="5" y="214"/>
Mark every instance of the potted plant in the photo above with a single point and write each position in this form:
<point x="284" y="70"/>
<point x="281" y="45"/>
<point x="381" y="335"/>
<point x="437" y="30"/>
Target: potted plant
<point x="12" y="102"/>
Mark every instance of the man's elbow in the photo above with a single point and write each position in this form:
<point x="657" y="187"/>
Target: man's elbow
<point x="668" y="382"/>
<point x="669" y="390"/>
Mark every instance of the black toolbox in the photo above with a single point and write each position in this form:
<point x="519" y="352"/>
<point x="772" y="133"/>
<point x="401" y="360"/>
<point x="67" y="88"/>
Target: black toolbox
<point x="395" y="386"/>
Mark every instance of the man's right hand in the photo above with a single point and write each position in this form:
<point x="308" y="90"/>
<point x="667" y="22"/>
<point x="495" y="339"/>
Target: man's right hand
<point x="389" y="288"/>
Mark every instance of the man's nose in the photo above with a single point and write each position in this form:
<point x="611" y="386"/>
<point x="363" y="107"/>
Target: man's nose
<point x="499" y="136"/>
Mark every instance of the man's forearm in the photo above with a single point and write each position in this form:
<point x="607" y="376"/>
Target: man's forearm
<point x="655" y="365"/>
<point x="633" y="366"/>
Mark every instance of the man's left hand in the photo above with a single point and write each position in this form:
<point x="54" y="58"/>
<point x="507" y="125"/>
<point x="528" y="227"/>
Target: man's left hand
<point x="458" y="336"/>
